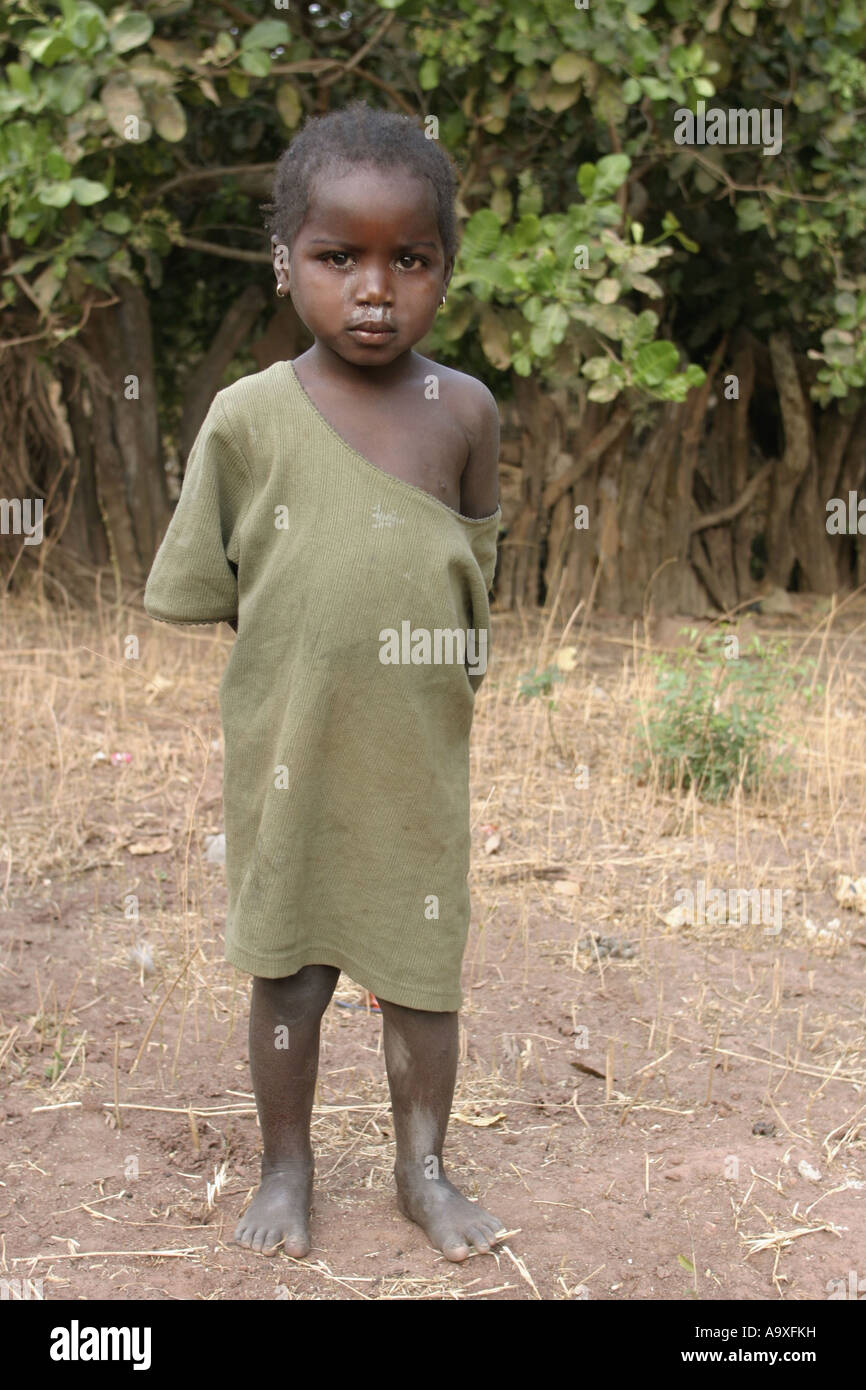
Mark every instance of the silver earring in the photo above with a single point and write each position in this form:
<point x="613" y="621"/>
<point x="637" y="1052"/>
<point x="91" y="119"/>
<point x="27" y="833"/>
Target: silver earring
<point x="281" y="292"/>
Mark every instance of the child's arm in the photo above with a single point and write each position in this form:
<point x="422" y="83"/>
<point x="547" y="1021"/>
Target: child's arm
<point x="479" y="495"/>
<point x="479" y="482"/>
<point x="193" y="579"/>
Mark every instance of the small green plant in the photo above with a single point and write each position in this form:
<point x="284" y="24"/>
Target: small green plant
<point x="713" y="715"/>
<point x="534" y="684"/>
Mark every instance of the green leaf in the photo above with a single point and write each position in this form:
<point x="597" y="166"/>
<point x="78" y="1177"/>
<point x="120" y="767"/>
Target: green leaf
<point x="25" y="264"/>
<point x="501" y="203"/>
<point x="631" y="91"/>
<point x="845" y="303"/>
<point x="607" y="290"/>
<point x="224" y="45"/>
<point x="526" y="231"/>
<point x="428" y="74"/>
<point x="603" y="391"/>
<point x="267" y="34"/>
<point x="167" y="115"/>
<point x="530" y="200"/>
<point x="560" y="98"/>
<point x="654" y="89"/>
<point x="239" y="84"/>
<point x="586" y="176"/>
<point x="596" y="368"/>
<point x="85" y="25"/>
<point x="256" y="62"/>
<point x="56" y="166"/>
<point x="608" y="104"/>
<point x="750" y="214"/>
<point x="644" y="285"/>
<point x="55" y="195"/>
<point x="130" y="31"/>
<point x="100" y="245"/>
<point x="88" y="191"/>
<point x="743" y="21"/>
<point x="10" y="101"/>
<point x="73" y="87"/>
<point x="116" y="222"/>
<point x="481" y="233"/>
<point x="19" y="79"/>
<point x="611" y="173"/>
<point x="686" y="1264"/>
<point x="655" y="362"/>
<point x="289" y="104"/>
<point x="46" y="286"/>
<point x="47" y="46"/>
<point x="121" y="99"/>
<point x="568" y="67"/>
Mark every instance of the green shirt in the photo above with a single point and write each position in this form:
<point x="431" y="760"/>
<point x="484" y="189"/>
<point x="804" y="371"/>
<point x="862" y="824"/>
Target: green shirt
<point x="346" y="776"/>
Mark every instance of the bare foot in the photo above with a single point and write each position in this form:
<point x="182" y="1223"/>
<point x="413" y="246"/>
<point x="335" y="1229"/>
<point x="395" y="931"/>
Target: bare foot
<point x="452" y="1223"/>
<point x="279" y="1214"/>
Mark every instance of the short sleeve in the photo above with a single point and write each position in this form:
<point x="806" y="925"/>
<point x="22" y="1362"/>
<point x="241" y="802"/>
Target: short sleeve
<point x="483" y="541"/>
<point x="193" y="578"/>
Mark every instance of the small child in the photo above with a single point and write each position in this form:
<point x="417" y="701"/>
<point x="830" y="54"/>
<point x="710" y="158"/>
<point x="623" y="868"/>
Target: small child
<point x="341" y="512"/>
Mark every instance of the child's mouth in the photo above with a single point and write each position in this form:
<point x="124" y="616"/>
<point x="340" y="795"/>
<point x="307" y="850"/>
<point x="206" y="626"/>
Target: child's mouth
<point x="372" y="332"/>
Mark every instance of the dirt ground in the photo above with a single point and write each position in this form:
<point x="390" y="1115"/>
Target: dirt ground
<point x="677" y="1112"/>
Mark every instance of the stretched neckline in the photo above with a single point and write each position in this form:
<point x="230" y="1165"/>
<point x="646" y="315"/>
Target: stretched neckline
<point x="401" y="482"/>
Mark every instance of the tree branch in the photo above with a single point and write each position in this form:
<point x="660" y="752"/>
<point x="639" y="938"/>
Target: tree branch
<point x="203" y="175"/>
<point x="237" y="14"/>
<point x="365" y="48"/>
<point x="229" y="253"/>
<point x="602" y="441"/>
<point x="205" y="379"/>
<point x="723" y="514"/>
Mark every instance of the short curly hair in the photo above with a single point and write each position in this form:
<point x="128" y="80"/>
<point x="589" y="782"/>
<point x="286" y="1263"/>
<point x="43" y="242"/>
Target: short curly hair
<point x="358" y="134"/>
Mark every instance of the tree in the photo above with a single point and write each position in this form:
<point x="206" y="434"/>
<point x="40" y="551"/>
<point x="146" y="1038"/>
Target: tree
<point x="135" y="146"/>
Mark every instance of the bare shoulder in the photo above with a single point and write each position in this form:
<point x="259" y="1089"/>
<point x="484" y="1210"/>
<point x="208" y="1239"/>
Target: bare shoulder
<point x="476" y="411"/>
<point x="473" y="402"/>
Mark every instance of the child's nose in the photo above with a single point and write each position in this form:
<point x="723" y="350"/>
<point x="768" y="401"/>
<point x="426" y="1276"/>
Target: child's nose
<point x="375" y="288"/>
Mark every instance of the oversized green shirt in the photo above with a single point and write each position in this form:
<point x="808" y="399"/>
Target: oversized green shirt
<point x="347" y="700"/>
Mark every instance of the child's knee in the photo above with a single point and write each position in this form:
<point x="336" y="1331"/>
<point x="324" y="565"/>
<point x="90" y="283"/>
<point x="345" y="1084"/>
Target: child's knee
<point x="306" y="994"/>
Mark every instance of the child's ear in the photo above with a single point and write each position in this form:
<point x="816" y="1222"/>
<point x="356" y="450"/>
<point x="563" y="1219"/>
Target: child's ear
<point x="280" y="262"/>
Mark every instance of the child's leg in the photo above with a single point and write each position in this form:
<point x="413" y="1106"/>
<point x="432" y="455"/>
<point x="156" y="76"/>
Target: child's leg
<point x="421" y="1058"/>
<point x="285" y="1016"/>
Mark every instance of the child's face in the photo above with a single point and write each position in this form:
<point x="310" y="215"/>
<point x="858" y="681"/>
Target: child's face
<point x="369" y="250"/>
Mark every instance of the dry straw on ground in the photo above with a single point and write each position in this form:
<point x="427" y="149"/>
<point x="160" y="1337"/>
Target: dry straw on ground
<point x="123" y="1031"/>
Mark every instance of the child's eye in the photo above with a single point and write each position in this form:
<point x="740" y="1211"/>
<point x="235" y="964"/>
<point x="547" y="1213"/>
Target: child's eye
<point x="341" y="259"/>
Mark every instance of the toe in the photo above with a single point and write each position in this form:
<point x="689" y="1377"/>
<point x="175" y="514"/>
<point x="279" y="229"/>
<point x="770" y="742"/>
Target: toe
<point x="491" y="1226"/>
<point x="455" y="1250"/>
<point x="479" y="1239"/>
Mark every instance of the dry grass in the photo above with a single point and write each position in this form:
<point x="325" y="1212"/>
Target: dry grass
<point x="123" y="839"/>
